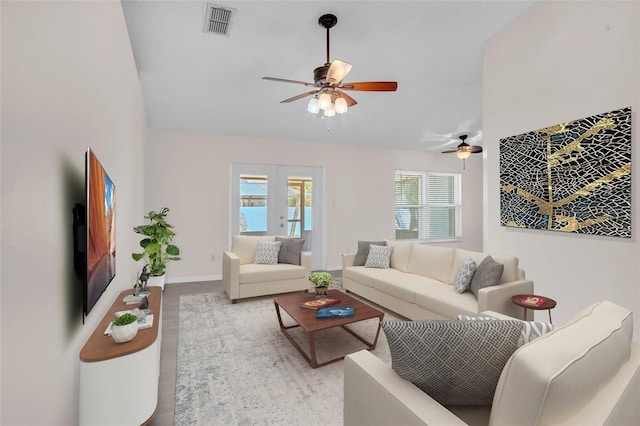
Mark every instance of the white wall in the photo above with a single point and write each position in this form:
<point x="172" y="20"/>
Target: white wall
<point x="189" y="173"/>
<point x="68" y="82"/>
<point x="564" y="61"/>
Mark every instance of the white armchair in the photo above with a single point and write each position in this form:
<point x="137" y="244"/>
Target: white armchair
<point x="242" y="278"/>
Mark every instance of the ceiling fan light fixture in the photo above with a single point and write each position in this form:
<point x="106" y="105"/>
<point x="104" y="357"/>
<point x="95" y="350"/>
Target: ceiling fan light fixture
<point x="313" y="107"/>
<point x="463" y="155"/>
<point x="338" y="71"/>
<point x="341" y="105"/>
<point x="330" y="112"/>
<point x="324" y="101"/>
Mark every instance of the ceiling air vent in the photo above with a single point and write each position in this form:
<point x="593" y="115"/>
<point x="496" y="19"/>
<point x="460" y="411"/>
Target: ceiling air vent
<point x="217" y="19"/>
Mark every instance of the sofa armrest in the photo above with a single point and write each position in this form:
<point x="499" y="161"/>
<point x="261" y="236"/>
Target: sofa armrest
<point x="305" y="262"/>
<point x="374" y="394"/>
<point x="498" y="297"/>
<point x="348" y="259"/>
<point x="231" y="274"/>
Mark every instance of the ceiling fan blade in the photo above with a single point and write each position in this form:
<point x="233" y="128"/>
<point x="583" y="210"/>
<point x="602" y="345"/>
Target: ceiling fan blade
<point x="350" y="101"/>
<point x="372" y="86"/>
<point x="474" y="149"/>
<point x="302" y="95"/>
<point x="337" y="71"/>
<point x="449" y="151"/>
<point x="283" y="80"/>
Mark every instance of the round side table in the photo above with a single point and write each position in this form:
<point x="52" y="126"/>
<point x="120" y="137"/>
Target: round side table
<point x="547" y="303"/>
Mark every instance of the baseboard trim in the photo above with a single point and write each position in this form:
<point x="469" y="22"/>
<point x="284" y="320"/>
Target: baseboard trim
<point x="193" y="279"/>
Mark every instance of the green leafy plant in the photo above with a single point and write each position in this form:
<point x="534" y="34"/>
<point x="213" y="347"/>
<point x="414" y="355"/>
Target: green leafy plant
<point x="157" y="245"/>
<point x="125" y="319"/>
<point x="321" y="279"/>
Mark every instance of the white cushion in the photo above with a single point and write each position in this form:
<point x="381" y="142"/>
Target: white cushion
<point x="444" y="301"/>
<point x="267" y="252"/>
<point x="563" y="370"/>
<point x="245" y="246"/>
<point x="258" y="273"/>
<point x="400" y="255"/>
<point x="379" y="257"/>
<point x="432" y="261"/>
<point x="462" y="280"/>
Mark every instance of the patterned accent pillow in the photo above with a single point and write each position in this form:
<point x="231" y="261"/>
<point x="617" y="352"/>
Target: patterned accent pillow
<point x="454" y="362"/>
<point x="530" y="329"/>
<point x="363" y="251"/>
<point x="267" y="252"/>
<point x="462" y="280"/>
<point x="379" y="257"/>
<point x="290" y="249"/>
<point x="487" y="274"/>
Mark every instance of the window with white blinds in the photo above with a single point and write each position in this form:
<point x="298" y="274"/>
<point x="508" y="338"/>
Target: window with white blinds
<point x="428" y="205"/>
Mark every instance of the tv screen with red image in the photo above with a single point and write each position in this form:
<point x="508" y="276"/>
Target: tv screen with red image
<point x="100" y="231"/>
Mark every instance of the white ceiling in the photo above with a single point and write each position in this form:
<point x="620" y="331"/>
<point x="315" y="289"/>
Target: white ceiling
<point x="203" y="82"/>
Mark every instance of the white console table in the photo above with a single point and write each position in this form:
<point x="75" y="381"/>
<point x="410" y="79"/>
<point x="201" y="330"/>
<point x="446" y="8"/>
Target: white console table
<point x="119" y="381"/>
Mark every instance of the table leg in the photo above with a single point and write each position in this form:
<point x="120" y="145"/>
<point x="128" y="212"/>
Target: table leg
<point x="279" y="317"/>
<point x="312" y="349"/>
<point x="525" y="313"/>
<point x="550" y="322"/>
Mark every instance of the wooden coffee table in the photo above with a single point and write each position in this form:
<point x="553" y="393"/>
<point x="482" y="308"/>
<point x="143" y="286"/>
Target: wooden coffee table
<point x="306" y="318"/>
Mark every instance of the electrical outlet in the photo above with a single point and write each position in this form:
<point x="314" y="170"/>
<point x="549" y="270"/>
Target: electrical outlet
<point x="213" y="257"/>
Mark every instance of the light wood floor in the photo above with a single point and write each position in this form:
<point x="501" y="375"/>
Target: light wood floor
<point x="168" y="353"/>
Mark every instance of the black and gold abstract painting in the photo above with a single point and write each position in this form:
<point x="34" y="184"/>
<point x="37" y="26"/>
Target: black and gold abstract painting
<point x="571" y="177"/>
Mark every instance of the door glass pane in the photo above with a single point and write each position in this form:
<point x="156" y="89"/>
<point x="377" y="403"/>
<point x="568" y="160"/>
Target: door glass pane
<point x="299" y="218"/>
<point x="253" y="205"/>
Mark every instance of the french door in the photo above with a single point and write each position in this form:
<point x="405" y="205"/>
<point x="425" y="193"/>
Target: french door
<point x="279" y="200"/>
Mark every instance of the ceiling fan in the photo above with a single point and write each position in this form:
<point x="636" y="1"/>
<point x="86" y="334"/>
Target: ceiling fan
<point x="328" y="94"/>
<point x="464" y="150"/>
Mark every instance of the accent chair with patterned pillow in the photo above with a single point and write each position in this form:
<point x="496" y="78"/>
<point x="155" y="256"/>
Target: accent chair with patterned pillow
<point x="249" y="271"/>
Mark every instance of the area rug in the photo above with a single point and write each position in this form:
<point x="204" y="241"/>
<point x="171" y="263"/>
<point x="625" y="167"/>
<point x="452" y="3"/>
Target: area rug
<point x="235" y="367"/>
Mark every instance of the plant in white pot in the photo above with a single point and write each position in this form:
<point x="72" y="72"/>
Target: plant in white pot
<point x="157" y="246"/>
<point x="124" y="328"/>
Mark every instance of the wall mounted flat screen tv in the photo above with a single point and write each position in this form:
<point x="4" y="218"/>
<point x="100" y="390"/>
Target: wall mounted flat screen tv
<point x="100" y="231"/>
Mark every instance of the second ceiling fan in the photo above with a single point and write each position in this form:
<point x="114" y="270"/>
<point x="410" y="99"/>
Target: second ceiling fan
<point x="328" y="94"/>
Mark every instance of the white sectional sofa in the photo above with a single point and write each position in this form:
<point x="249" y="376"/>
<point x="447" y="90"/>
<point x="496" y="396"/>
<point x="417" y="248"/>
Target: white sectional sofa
<point x="418" y="283"/>
<point x="586" y="372"/>
<point x="242" y="278"/>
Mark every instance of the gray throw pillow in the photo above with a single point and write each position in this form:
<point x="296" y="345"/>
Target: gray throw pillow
<point x="290" y="249"/>
<point x="488" y="273"/>
<point x="454" y="362"/>
<point x="462" y="280"/>
<point x="363" y="251"/>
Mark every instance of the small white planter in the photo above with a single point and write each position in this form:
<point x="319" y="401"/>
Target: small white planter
<point x="124" y="333"/>
<point x="157" y="281"/>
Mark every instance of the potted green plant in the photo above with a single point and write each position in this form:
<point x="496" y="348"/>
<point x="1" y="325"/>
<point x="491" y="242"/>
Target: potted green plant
<point x="321" y="282"/>
<point x="157" y="245"/>
<point x="124" y="328"/>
